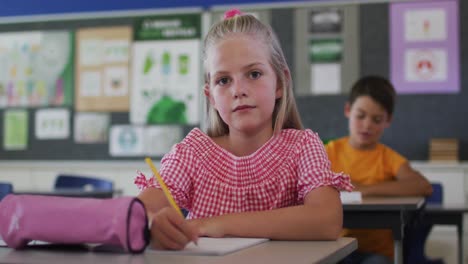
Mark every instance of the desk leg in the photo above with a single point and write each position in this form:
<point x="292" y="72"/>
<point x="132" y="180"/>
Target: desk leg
<point x="398" y="252"/>
<point x="460" y="241"/>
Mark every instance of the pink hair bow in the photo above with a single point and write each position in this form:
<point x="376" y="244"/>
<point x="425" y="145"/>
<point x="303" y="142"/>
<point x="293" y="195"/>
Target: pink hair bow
<point x="142" y="183"/>
<point x="232" y="13"/>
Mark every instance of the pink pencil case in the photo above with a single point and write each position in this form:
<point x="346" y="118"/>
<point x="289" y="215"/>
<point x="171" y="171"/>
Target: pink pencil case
<point x="119" y="222"/>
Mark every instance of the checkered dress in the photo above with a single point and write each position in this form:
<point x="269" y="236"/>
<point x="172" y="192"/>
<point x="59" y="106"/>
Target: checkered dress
<point x="208" y="180"/>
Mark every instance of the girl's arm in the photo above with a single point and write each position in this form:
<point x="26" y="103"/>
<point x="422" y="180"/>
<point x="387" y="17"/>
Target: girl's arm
<point x="408" y="183"/>
<point x="320" y="218"/>
<point x="169" y="230"/>
<point x="153" y="199"/>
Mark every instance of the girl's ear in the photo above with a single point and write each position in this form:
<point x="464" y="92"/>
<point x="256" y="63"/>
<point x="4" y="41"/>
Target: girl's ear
<point x="206" y="91"/>
<point x="279" y="86"/>
<point x="347" y="109"/>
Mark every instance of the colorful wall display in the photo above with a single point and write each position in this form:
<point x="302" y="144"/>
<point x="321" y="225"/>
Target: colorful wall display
<point x="102" y="69"/>
<point x="15" y="129"/>
<point x="91" y="128"/>
<point x="325" y="50"/>
<point x="36" y="68"/>
<point x="166" y="70"/>
<point x="126" y="140"/>
<point x="52" y="123"/>
<point x="425" y="47"/>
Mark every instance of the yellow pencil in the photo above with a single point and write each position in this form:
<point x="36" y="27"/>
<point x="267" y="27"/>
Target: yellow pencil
<point x="166" y="191"/>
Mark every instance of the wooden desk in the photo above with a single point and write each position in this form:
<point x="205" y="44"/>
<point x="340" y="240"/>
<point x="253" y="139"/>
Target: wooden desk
<point x="448" y="214"/>
<point x="383" y="212"/>
<point x="302" y="252"/>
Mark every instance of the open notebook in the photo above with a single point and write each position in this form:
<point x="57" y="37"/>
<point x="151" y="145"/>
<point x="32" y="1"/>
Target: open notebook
<point x="209" y="246"/>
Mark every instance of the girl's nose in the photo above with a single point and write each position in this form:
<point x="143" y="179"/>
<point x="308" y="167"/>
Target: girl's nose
<point x="239" y="89"/>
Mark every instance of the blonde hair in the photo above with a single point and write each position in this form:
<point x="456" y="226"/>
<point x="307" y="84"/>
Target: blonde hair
<point x="285" y="114"/>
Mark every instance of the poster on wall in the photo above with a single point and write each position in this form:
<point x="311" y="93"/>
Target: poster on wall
<point x="325" y="50"/>
<point x="160" y="139"/>
<point x="166" y="70"/>
<point x="52" y="123"/>
<point x="15" y="129"/>
<point x="126" y="140"/>
<point x="91" y="128"/>
<point x="102" y="69"/>
<point x="425" y="47"/>
<point x="326" y="20"/>
<point x="36" y="68"/>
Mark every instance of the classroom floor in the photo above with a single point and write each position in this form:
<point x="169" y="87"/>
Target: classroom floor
<point x="442" y="243"/>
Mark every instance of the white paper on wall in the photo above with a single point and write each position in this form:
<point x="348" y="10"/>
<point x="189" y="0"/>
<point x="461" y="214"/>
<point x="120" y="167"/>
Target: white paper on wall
<point x="160" y="139"/>
<point x="325" y="78"/>
<point x="126" y="140"/>
<point x="52" y="123"/>
<point x="90" y="84"/>
<point x="425" y="25"/>
<point x="91" y="127"/>
<point x="426" y="65"/>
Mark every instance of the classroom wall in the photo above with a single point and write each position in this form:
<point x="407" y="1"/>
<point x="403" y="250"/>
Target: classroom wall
<point x="417" y="118"/>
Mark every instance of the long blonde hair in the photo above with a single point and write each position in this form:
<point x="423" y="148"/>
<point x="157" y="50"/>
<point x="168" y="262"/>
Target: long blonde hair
<point x="285" y="114"/>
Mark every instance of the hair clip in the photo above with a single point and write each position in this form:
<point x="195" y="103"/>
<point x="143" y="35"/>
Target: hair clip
<point x="232" y="13"/>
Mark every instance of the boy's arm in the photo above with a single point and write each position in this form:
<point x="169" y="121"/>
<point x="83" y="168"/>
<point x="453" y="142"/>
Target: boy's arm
<point x="320" y="218"/>
<point x="409" y="182"/>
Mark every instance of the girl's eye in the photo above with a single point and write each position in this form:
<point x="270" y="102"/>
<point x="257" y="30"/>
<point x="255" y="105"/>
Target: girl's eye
<point x="255" y="74"/>
<point x="222" y="81"/>
<point x="360" y="116"/>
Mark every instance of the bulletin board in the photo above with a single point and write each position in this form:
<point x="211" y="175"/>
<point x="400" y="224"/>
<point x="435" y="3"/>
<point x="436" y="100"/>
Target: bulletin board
<point x="114" y="32"/>
<point x="417" y="117"/>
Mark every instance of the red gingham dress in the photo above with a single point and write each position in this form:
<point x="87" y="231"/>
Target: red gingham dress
<point x="208" y="180"/>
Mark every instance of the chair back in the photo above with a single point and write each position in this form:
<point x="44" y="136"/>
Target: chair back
<point x="437" y="194"/>
<point x="5" y="188"/>
<point x="82" y="182"/>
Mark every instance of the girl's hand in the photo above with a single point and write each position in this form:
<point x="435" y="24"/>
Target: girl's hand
<point x="210" y="227"/>
<point x="169" y="230"/>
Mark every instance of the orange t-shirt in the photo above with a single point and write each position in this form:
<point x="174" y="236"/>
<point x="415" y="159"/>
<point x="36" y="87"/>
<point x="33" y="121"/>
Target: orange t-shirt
<point x="367" y="167"/>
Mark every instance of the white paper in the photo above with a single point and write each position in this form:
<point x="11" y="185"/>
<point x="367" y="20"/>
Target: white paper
<point x="116" y="81"/>
<point x="126" y="140"/>
<point x="116" y="51"/>
<point x="52" y="123"/>
<point x="424" y="65"/>
<point x="350" y="197"/>
<point x="209" y="246"/>
<point x="90" y="84"/>
<point x="425" y="25"/>
<point x="325" y="78"/>
<point x="160" y="139"/>
<point x="91" y="127"/>
<point x="91" y="52"/>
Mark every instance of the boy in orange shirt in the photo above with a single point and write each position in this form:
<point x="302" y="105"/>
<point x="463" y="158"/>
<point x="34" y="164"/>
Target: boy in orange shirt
<point x="374" y="168"/>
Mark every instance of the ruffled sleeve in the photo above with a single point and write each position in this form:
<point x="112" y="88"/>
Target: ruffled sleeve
<point x="178" y="167"/>
<point x="314" y="168"/>
<point x="142" y="182"/>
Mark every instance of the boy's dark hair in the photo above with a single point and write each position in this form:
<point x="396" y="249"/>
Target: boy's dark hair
<point x="378" y="88"/>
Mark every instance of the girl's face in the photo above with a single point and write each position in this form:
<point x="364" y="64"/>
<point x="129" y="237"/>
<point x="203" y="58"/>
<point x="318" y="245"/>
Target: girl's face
<point x="242" y="84"/>
<point x="367" y="122"/>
